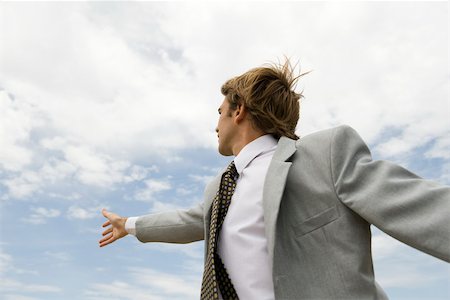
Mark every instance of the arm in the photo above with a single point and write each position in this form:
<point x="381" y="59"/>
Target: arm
<point x="180" y="226"/>
<point x="409" y="208"/>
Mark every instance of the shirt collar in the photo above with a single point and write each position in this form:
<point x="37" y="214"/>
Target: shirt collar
<point x="253" y="150"/>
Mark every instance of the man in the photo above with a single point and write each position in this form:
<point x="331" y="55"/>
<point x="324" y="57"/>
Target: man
<point x="290" y="218"/>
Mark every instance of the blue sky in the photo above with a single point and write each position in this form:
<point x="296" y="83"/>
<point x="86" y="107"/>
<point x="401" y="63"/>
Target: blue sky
<point x="115" y="104"/>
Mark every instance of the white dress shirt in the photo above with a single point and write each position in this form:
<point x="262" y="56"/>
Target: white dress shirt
<point x="242" y="241"/>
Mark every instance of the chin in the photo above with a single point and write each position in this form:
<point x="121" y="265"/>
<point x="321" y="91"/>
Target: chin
<point x="224" y="152"/>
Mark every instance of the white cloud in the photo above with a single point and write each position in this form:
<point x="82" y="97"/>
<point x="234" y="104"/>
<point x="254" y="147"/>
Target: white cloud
<point x="445" y="177"/>
<point x="112" y="96"/>
<point x="119" y="290"/>
<point x="5" y="262"/>
<point x="400" y="266"/>
<point x="182" y="191"/>
<point x="59" y="256"/>
<point x="40" y="215"/>
<point x="15" y="127"/>
<point x="384" y="246"/>
<point x="405" y="275"/>
<point x="160" y="206"/>
<point x="76" y="212"/>
<point x="8" y="285"/>
<point x="22" y="186"/>
<point x="193" y="252"/>
<point x="94" y="168"/>
<point x="147" y="86"/>
<point x="187" y="286"/>
<point x="98" y="169"/>
<point x="28" y="182"/>
<point x="152" y="187"/>
<point x="205" y="179"/>
<point x="80" y="163"/>
<point x="440" y="149"/>
<point x="7" y="266"/>
<point x="147" y="284"/>
<point x="418" y="133"/>
<point x="18" y="297"/>
<point x="71" y="196"/>
<point x="137" y="173"/>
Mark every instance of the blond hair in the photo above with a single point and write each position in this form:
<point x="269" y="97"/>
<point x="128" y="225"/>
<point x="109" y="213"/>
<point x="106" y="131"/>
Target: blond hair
<point x="268" y="95"/>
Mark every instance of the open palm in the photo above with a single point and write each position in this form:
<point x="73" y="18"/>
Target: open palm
<point x="115" y="228"/>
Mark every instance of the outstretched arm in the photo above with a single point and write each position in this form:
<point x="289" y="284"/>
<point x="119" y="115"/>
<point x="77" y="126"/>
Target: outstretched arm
<point x="179" y="226"/>
<point x="409" y="208"/>
<point x="115" y="228"/>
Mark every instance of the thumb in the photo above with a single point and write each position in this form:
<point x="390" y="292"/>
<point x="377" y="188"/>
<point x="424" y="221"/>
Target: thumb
<point x="105" y="213"/>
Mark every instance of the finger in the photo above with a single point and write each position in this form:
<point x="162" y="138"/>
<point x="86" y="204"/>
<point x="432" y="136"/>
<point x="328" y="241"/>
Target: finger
<point x="106" y="242"/>
<point x="109" y="230"/>
<point x="105" y="213"/>
<point x="106" y="223"/>
<point x="106" y="238"/>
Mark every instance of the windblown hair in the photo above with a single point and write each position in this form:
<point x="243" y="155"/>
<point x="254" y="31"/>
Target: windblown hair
<point x="268" y="95"/>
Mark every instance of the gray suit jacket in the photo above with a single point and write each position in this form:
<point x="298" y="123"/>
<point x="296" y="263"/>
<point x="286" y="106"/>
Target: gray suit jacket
<point x="320" y="196"/>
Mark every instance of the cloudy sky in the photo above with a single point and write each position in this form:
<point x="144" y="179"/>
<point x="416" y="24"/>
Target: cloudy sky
<point x="115" y="104"/>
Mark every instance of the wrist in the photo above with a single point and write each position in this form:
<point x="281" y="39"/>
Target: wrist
<point x="130" y="225"/>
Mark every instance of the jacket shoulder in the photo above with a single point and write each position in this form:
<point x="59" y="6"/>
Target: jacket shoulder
<point x="326" y="134"/>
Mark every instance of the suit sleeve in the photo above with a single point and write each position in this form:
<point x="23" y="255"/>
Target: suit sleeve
<point x="180" y="226"/>
<point x="411" y="209"/>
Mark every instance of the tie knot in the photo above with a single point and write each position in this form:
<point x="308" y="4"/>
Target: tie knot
<point x="232" y="171"/>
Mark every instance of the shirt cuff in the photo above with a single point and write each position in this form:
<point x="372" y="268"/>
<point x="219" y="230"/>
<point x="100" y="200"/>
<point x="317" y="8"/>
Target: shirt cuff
<point x="130" y="225"/>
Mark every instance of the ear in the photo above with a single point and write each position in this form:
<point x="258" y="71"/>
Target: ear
<point x="239" y="114"/>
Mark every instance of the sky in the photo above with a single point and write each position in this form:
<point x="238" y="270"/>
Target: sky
<point x="114" y="105"/>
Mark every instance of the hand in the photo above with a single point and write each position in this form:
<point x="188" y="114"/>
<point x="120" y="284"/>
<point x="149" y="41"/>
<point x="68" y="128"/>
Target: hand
<point x="115" y="231"/>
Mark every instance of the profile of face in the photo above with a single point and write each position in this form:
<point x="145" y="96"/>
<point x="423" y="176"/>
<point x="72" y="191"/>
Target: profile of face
<point x="226" y="129"/>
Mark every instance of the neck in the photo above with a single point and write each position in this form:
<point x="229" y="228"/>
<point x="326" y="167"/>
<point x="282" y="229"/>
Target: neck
<point x="246" y="138"/>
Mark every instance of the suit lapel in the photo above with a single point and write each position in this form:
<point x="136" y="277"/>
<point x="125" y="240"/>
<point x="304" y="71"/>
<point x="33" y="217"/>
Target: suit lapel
<point x="274" y="187"/>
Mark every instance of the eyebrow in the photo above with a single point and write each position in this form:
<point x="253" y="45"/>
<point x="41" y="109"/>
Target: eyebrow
<point x="219" y="110"/>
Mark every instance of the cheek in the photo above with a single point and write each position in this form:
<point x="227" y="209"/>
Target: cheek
<point x="219" y="122"/>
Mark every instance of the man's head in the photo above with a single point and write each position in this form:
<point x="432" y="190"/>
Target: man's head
<point x="268" y="95"/>
<point x="260" y="101"/>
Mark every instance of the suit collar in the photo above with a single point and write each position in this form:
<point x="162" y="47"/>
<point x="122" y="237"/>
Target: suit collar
<point x="286" y="148"/>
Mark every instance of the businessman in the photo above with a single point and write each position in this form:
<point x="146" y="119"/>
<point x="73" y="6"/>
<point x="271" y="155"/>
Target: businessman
<point x="290" y="218"/>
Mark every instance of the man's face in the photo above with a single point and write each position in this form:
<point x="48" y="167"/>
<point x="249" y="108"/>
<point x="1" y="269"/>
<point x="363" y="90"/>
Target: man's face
<point x="226" y="129"/>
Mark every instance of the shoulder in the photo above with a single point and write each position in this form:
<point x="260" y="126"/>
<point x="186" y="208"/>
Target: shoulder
<point x="327" y="135"/>
<point x="319" y="145"/>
